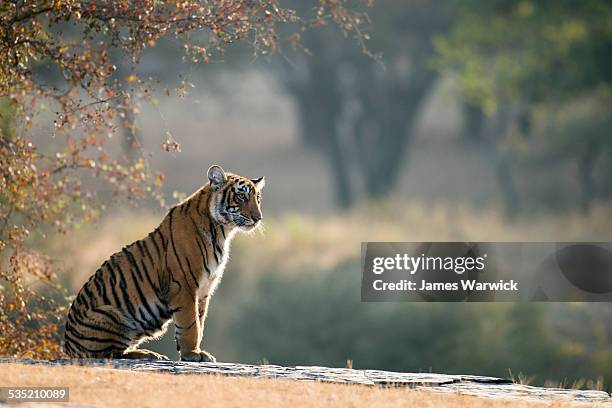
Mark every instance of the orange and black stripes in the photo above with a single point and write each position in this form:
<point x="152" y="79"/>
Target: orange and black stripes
<point x="165" y="275"/>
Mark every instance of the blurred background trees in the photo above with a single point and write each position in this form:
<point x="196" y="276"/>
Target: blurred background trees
<point x="515" y="61"/>
<point x="509" y="61"/>
<point x="359" y="111"/>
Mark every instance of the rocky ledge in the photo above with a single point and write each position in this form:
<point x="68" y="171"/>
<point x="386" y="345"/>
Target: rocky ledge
<point x="489" y="387"/>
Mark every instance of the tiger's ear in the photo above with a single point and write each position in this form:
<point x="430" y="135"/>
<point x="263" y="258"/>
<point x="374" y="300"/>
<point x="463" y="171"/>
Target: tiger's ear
<point x="260" y="183"/>
<point x="216" y="175"/>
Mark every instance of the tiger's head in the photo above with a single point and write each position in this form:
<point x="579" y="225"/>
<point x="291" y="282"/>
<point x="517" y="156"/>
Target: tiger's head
<point x="235" y="200"/>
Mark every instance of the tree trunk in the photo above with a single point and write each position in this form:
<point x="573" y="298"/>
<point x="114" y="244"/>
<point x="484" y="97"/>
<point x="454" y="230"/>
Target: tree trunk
<point x="395" y="114"/>
<point x="319" y="104"/>
<point x="585" y="174"/>
<point x="501" y="163"/>
<point x="473" y="123"/>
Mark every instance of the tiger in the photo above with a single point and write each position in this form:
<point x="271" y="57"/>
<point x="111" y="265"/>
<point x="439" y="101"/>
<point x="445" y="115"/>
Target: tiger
<point x="168" y="276"/>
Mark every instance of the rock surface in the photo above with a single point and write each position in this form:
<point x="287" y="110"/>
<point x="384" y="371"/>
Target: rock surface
<point x="489" y="387"/>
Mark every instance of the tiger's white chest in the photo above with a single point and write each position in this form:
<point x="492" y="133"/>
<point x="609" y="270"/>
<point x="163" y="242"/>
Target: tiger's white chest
<point x="210" y="282"/>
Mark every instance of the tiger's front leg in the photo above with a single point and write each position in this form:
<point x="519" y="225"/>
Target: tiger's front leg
<point x="188" y="332"/>
<point x="202" y="312"/>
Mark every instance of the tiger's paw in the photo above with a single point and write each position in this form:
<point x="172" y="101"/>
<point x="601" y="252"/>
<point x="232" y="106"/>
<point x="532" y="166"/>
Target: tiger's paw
<point x="143" y="354"/>
<point x="199" y="356"/>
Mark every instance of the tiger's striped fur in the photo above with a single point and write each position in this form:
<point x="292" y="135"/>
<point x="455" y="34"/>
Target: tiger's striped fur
<point x="169" y="275"/>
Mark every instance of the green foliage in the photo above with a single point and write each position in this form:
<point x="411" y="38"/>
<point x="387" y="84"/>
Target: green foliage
<point x="529" y="50"/>
<point x="522" y="63"/>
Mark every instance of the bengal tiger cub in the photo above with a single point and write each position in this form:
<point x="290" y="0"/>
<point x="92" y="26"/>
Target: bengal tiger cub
<point x="170" y="275"/>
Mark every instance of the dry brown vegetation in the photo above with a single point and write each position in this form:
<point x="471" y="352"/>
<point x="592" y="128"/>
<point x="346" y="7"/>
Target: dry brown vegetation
<point x="107" y="387"/>
<point x="296" y="242"/>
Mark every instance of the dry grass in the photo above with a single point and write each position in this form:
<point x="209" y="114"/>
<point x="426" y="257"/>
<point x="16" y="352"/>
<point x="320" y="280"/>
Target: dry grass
<point x="107" y="387"/>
